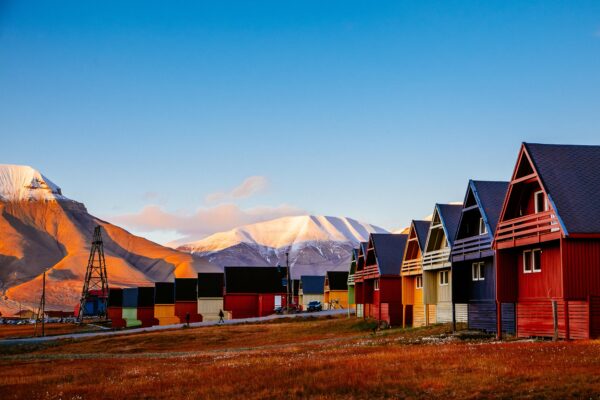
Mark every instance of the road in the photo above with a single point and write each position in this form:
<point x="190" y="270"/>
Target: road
<point x="8" y="342"/>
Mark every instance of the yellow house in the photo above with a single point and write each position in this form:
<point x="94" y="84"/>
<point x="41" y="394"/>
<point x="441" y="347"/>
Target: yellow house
<point x="164" y="303"/>
<point x="210" y="296"/>
<point x="412" y="276"/>
<point x="311" y="289"/>
<point x="335" y="290"/>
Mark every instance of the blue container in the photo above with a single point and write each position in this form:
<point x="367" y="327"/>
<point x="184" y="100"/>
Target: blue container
<point x="130" y="297"/>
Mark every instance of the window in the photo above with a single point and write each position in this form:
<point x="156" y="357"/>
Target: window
<point x="482" y="227"/>
<point x="478" y="271"/>
<point x="443" y="278"/>
<point x="541" y="204"/>
<point x="376" y="284"/>
<point x="419" y="282"/>
<point x="532" y="261"/>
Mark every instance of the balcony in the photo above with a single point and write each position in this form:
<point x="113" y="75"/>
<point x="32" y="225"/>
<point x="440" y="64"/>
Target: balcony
<point x="371" y="271"/>
<point x="350" y="279"/>
<point x="413" y="266"/>
<point x="529" y="229"/>
<point x="436" y="259"/>
<point x="472" y="247"/>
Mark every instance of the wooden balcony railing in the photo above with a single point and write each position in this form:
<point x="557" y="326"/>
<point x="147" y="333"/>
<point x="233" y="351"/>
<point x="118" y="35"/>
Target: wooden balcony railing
<point x="350" y="279"/>
<point x="412" y="266"/>
<point x="473" y="244"/>
<point x="533" y="226"/>
<point x="371" y="270"/>
<point x="436" y="259"/>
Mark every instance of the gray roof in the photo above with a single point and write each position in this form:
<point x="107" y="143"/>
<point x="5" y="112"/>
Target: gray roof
<point x="421" y="228"/>
<point x="490" y="197"/>
<point x="389" y="251"/>
<point x="571" y="176"/>
<point x="450" y="217"/>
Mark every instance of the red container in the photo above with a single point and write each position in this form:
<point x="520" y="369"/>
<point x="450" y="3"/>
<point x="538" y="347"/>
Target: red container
<point x="116" y="317"/>
<point x="182" y="308"/>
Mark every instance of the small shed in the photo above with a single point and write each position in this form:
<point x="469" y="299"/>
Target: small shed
<point x="311" y="289"/>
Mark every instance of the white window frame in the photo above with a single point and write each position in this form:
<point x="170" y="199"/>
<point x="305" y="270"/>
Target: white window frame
<point x="535" y="201"/>
<point x="442" y="281"/>
<point x="419" y="282"/>
<point x="530" y="255"/>
<point x="534" y="267"/>
<point x="476" y="271"/>
<point x="482" y="224"/>
<point x="376" y="284"/>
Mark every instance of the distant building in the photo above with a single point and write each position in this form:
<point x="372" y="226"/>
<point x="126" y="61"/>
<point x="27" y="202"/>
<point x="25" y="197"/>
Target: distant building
<point x="311" y="289"/>
<point x="335" y="290"/>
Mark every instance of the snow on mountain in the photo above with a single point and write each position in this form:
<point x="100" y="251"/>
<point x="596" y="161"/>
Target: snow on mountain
<point x="315" y="244"/>
<point x="286" y="232"/>
<point x="21" y="182"/>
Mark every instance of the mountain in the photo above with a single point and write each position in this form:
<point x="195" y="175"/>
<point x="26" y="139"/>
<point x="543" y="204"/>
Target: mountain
<point x="315" y="243"/>
<point x="40" y="228"/>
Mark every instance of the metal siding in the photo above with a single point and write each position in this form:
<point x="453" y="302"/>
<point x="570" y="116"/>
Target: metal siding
<point x="443" y="312"/>
<point x="482" y="316"/>
<point x="461" y="312"/>
<point x="544" y="284"/>
<point x="509" y="313"/>
<point x="581" y="268"/>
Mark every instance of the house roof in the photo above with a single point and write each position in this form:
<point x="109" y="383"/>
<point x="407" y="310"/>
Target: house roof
<point x="389" y="251"/>
<point x="421" y="228"/>
<point x="450" y="217"/>
<point x="490" y="197"/>
<point x="312" y="284"/>
<point x="338" y="280"/>
<point x="255" y="279"/>
<point x="571" y="176"/>
<point x="364" y="246"/>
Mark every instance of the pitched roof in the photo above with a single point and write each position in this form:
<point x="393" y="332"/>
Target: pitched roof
<point x="255" y="279"/>
<point x="338" y="280"/>
<point x="389" y="251"/>
<point x="421" y="228"/>
<point x="312" y="284"/>
<point x="364" y="246"/>
<point x="571" y="176"/>
<point x="450" y="217"/>
<point x="490" y="197"/>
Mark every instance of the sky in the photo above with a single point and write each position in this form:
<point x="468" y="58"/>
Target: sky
<point x="180" y="119"/>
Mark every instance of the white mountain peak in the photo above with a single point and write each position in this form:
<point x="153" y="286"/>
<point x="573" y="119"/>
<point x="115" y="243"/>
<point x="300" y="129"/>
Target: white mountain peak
<point x="22" y="182"/>
<point x="288" y="231"/>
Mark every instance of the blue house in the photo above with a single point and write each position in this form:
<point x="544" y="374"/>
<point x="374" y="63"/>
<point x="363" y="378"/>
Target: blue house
<point x="474" y="260"/>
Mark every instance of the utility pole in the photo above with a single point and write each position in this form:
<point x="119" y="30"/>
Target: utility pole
<point x="287" y="265"/>
<point x="42" y="308"/>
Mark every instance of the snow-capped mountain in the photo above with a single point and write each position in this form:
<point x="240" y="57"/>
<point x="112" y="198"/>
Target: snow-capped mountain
<point x="42" y="229"/>
<point x="315" y="243"/>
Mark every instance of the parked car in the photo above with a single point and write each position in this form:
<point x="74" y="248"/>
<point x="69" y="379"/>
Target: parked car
<point x="314" y="305"/>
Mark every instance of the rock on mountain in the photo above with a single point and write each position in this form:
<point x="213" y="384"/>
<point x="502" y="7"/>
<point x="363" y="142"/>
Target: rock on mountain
<point x="315" y="243"/>
<point x="40" y="229"/>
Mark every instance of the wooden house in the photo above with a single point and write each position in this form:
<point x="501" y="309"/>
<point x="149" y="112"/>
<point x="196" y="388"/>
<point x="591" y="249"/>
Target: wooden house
<point x="335" y="293"/>
<point x="548" y="242"/>
<point x="311" y="289"/>
<point x="254" y="291"/>
<point x="473" y="259"/>
<point x="437" y="274"/>
<point x="164" y="303"/>
<point x="210" y="295"/>
<point x="138" y="307"/>
<point x="186" y="300"/>
<point x="351" y="272"/>
<point x="359" y="298"/>
<point x="381" y="277"/>
<point x="412" y="274"/>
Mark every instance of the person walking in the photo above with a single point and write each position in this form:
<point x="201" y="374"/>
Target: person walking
<point x="187" y="319"/>
<point x="221" y="316"/>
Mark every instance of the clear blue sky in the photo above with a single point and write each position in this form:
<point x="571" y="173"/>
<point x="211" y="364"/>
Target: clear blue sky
<point x="373" y="110"/>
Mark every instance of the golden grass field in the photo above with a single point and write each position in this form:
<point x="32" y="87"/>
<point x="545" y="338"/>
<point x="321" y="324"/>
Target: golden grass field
<point x="326" y="358"/>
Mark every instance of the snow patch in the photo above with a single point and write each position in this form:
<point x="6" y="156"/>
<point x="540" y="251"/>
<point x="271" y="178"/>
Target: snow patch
<point x="22" y="182"/>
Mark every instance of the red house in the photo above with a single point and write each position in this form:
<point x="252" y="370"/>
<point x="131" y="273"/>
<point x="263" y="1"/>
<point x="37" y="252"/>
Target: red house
<point x="254" y="291"/>
<point x="548" y="242"/>
<point x="381" y="281"/>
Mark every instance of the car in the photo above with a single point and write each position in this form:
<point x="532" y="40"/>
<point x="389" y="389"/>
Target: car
<point x="314" y="305"/>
